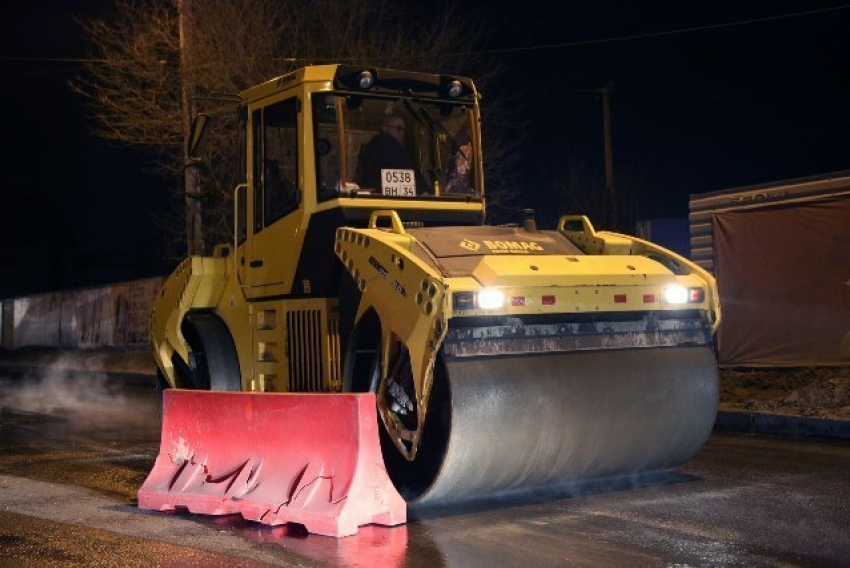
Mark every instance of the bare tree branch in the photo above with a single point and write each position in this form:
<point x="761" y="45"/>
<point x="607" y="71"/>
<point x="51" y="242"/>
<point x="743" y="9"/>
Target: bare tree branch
<point x="134" y="86"/>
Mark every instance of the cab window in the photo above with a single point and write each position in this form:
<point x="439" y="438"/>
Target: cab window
<point x="276" y="192"/>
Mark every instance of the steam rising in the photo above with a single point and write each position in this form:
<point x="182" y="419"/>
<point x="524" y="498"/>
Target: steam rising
<point x="83" y="392"/>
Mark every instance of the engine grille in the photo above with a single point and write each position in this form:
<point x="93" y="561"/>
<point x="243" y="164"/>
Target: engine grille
<point x="304" y="347"/>
<point x="335" y="371"/>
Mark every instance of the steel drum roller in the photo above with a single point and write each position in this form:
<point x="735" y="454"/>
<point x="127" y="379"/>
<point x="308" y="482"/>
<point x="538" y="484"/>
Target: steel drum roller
<point x="546" y="419"/>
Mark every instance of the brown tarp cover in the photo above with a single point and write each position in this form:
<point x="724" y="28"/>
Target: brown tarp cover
<point x="784" y="278"/>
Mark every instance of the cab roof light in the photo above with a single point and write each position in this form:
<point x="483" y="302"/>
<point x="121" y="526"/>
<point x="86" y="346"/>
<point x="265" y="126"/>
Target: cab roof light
<point x="366" y="79"/>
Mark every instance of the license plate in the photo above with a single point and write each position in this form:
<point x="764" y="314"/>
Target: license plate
<point x="398" y="183"/>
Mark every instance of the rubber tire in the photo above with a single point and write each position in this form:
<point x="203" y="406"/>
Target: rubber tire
<point x="411" y="479"/>
<point x="161" y="385"/>
<point x="210" y="341"/>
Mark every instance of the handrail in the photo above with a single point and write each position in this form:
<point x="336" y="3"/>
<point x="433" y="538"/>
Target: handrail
<point x="236" y="228"/>
<point x="395" y="221"/>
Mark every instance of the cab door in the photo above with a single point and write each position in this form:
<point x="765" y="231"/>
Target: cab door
<point x="276" y="204"/>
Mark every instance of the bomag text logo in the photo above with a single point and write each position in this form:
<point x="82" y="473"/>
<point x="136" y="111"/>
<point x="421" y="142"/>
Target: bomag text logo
<point x="470" y="245"/>
<point x="378" y="266"/>
<point x="512" y="247"/>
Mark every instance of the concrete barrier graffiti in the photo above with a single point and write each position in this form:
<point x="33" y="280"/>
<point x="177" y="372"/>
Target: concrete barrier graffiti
<point x="107" y="316"/>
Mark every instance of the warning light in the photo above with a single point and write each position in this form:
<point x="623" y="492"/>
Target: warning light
<point x="696" y="295"/>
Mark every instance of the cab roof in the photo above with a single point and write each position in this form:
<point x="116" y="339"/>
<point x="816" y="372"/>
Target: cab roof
<point x="346" y="78"/>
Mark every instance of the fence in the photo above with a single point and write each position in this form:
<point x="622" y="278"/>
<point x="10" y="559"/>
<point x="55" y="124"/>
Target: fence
<point x="108" y="316"/>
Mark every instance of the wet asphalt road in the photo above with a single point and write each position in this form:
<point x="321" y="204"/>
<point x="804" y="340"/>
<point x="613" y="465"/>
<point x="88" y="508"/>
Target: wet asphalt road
<point x="74" y="449"/>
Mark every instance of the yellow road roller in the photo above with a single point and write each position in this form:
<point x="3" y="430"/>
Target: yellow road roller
<point x="497" y="358"/>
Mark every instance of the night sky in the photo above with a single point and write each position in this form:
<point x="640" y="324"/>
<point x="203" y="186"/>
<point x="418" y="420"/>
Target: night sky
<point x="693" y="112"/>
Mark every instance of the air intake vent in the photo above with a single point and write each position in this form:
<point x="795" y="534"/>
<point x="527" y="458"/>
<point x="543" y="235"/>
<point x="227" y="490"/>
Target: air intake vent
<point x="304" y="344"/>
<point x="333" y="355"/>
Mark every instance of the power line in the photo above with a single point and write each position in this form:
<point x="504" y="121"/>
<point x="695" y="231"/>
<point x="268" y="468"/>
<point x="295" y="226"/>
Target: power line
<point x="527" y="48"/>
<point x="647" y="35"/>
<point x="43" y="72"/>
<point x="50" y="59"/>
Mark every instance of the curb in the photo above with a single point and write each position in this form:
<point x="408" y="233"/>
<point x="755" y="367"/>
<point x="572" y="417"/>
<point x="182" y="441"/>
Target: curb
<point x="781" y="425"/>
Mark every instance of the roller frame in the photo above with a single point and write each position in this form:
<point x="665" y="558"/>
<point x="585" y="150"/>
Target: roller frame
<point x="410" y="300"/>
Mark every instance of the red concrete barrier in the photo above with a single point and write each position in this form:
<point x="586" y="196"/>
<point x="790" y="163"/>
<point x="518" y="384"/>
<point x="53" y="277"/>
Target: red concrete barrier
<point x="313" y="459"/>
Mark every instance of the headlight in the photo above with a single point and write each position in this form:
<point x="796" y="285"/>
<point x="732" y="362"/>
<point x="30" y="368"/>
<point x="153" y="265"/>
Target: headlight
<point x="676" y="294"/>
<point x="489" y="299"/>
<point x="366" y="79"/>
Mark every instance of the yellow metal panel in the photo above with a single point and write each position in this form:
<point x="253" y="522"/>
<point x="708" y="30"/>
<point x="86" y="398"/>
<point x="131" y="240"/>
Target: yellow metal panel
<point x="197" y="283"/>
<point x="411" y="302"/>
<point x="570" y="271"/>
<point x="287" y="80"/>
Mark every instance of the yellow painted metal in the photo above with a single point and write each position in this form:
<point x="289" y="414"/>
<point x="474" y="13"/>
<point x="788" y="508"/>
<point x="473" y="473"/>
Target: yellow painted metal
<point x="588" y="240"/>
<point x="321" y="74"/>
<point x="296" y="346"/>
<point x="411" y="301"/>
<point x="281" y="336"/>
<point x="197" y="283"/>
<point x="606" y="243"/>
<point x="240" y="293"/>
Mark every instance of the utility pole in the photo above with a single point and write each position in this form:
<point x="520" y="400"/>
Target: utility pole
<point x="610" y="191"/>
<point x="192" y="176"/>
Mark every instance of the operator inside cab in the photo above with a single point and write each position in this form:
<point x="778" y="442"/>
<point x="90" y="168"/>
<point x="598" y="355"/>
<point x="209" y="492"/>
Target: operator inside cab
<point x="393" y="147"/>
<point x="385" y="162"/>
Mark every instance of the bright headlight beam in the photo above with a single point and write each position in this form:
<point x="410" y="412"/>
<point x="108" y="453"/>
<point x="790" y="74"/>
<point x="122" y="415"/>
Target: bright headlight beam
<point x="489" y="299"/>
<point x="676" y="294"/>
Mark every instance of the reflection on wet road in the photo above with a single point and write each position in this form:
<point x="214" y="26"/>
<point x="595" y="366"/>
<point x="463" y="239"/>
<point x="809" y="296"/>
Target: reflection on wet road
<point x="90" y="431"/>
<point x="74" y="449"/>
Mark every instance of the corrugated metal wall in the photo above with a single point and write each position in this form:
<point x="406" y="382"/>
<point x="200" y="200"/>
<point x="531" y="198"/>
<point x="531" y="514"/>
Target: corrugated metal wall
<point x="781" y="255"/>
<point x="705" y="205"/>
<point x="107" y="316"/>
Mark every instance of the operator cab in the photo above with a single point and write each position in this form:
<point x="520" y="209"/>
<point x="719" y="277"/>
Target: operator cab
<point x="326" y="146"/>
<point x="396" y="134"/>
<point x="376" y="144"/>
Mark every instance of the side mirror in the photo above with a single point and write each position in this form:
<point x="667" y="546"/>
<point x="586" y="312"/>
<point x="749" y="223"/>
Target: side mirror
<point x="196" y="135"/>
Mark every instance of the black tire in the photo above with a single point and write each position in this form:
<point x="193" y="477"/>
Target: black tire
<point x="363" y="374"/>
<point x="349" y="301"/>
<point x="413" y="478"/>
<point x="213" y="363"/>
<point x="161" y="385"/>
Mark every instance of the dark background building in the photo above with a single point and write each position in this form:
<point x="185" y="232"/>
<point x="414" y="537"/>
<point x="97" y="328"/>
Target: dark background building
<point x="705" y="96"/>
